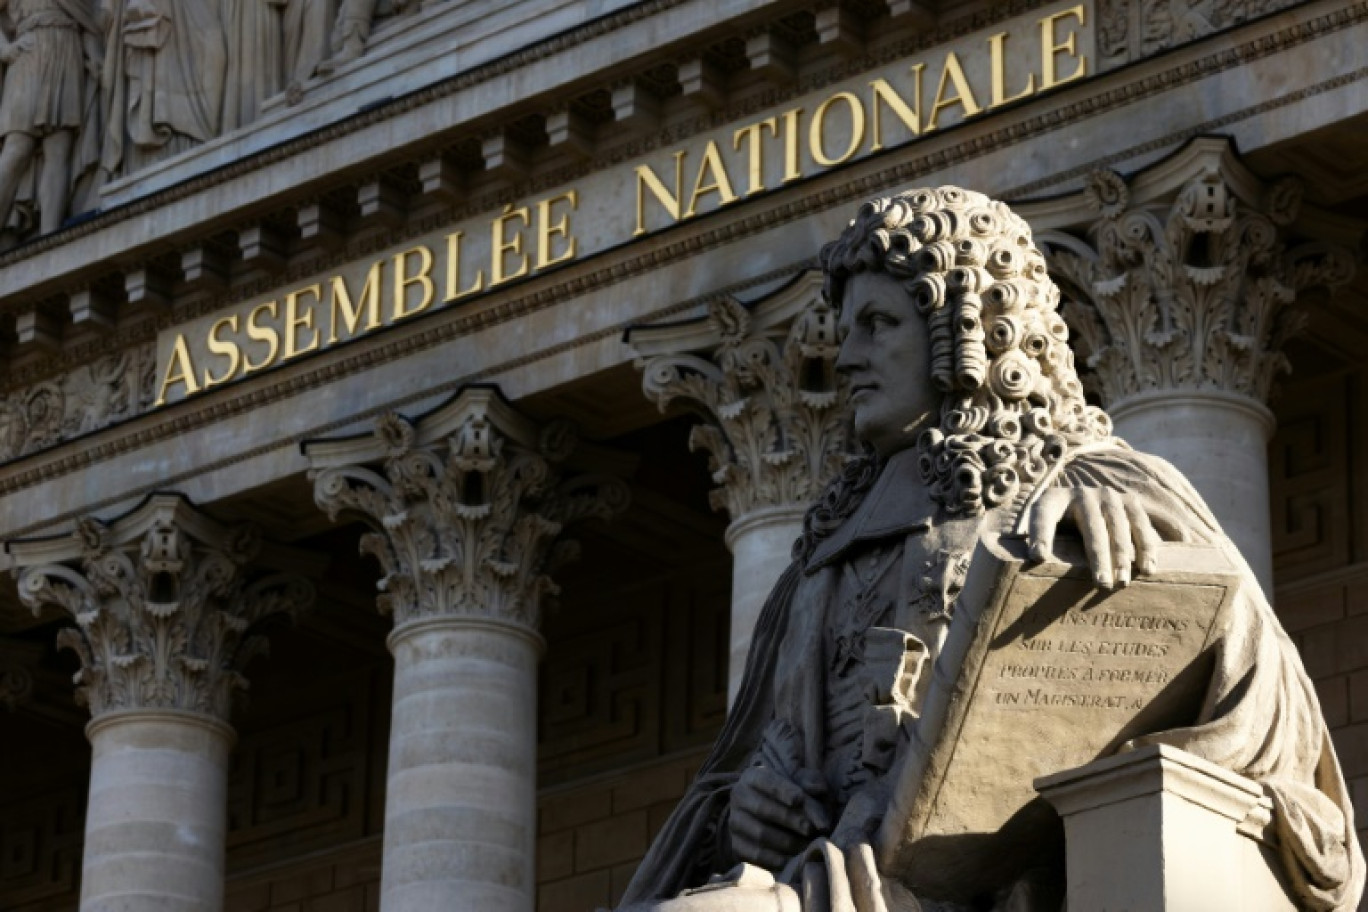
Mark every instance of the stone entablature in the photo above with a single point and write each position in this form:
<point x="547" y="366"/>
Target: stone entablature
<point x="467" y="504"/>
<point x="1019" y="147"/>
<point x="167" y="605"/>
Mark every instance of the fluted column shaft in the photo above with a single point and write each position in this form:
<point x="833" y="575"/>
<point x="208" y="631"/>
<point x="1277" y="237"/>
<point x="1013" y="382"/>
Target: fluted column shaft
<point x="166" y="610"/>
<point x="466" y="506"/>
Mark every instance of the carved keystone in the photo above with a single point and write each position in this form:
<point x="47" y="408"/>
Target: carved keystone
<point x="169" y="605"/>
<point x="466" y="505"/>
<point x="764" y="380"/>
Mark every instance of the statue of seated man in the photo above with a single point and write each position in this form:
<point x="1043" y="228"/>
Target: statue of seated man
<point x="963" y="390"/>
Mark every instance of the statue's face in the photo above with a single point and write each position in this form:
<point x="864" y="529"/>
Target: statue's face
<point x="886" y="354"/>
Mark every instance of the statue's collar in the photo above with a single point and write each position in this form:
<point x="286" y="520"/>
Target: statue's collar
<point x="898" y="503"/>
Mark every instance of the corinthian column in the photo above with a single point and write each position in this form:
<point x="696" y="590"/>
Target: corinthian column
<point x="763" y="379"/>
<point x="1181" y="299"/>
<point x="167" y="612"/>
<point x="465" y="506"/>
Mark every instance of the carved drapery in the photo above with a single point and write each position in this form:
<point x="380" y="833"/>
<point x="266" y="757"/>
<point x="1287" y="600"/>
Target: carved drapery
<point x="763" y="378"/>
<point x="1193" y="294"/>
<point x="167" y="607"/>
<point x="466" y="507"/>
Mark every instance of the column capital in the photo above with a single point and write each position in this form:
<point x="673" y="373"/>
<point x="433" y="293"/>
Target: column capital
<point x="465" y="504"/>
<point x="1185" y="275"/>
<point x="763" y="378"/>
<point x="168" y="604"/>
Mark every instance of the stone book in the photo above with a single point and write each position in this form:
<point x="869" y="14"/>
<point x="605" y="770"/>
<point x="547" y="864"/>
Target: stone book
<point x="1052" y="673"/>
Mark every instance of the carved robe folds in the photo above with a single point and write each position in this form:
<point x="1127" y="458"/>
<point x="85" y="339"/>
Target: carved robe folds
<point x="830" y="618"/>
<point x="164" y="75"/>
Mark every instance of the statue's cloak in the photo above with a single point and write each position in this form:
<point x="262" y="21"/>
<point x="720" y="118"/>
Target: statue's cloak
<point x="1259" y="718"/>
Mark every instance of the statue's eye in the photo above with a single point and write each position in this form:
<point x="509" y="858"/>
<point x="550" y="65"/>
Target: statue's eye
<point x="878" y="321"/>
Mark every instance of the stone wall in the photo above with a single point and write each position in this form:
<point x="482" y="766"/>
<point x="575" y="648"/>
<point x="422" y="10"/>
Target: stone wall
<point x="340" y="880"/>
<point x="592" y="835"/>
<point x="1319" y="477"/>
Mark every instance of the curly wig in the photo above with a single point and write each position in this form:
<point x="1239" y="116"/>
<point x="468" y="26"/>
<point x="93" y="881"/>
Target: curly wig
<point x="1012" y="404"/>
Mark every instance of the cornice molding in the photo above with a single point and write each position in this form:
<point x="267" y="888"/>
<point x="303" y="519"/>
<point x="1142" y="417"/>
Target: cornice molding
<point x="688" y="240"/>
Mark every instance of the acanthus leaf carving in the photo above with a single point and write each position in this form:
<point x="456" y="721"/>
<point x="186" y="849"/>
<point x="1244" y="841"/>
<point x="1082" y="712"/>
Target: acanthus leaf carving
<point x="467" y="525"/>
<point x="167" y="610"/>
<point x="1195" y="294"/>
<point x="774" y="426"/>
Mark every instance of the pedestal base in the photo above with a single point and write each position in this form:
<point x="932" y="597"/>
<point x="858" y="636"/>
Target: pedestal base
<point x="1159" y="830"/>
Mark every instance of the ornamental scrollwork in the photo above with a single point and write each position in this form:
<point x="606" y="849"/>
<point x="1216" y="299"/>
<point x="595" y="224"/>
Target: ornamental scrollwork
<point x="1196" y="294"/>
<point x="93" y="396"/>
<point x="469" y="525"/>
<point x="166" y="619"/>
<point x="774" y="426"/>
<point x="1132" y="29"/>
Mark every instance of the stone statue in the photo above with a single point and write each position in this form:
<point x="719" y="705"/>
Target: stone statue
<point x="255" y="66"/>
<point x="964" y="391"/>
<point x="48" y="112"/>
<point x="163" y="81"/>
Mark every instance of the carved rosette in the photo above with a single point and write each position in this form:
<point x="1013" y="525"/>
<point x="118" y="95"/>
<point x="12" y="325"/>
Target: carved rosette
<point x="775" y="426"/>
<point x="467" y="524"/>
<point x="1195" y="294"/>
<point x="168" y="611"/>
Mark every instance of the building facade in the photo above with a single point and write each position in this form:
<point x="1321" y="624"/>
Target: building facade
<point x="406" y="406"/>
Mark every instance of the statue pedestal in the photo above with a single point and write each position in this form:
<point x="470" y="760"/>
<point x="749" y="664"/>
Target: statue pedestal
<point x="1160" y="830"/>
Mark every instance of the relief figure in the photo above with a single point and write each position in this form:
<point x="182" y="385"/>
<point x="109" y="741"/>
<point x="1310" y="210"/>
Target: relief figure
<point x="255" y="62"/>
<point x="164" y="74"/>
<point x="48" y="112"/>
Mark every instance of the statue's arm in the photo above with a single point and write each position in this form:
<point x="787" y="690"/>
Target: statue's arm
<point x="1122" y="525"/>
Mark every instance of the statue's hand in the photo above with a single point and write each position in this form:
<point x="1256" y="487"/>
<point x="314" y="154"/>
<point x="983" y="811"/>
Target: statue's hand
<point x="773" y="817"/>
<point x="1121" y="533"/>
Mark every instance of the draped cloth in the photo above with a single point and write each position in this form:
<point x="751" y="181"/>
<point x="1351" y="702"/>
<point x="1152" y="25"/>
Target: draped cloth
<point x="164" y="74"/>
<point x="255" y="64"/>
<point x="1259" y="718"/>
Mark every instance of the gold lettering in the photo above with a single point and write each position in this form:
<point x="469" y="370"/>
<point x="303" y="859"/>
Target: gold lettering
<point x="341" y="310"/>
<point x="453" y="278"/>
<point x="1050" y="46"/>
<point x="816" y="129"/>
<point x="792" y="169"/>
<point x="911" y="117"/>
<point x="402" y="281"/>
<point x="964" y="96"/>
<point x="546" y="229"/>
<point x="294" y="320"/>
<point x="711" y="165"/>
<point x="501" y="245"/>
<point x="670" y="201"/>
<point x="259" y="333"/>
<point x="753" y="135"/>
<point x="179" y="369"/>
<point x="997" y="45"/>
<point x="225" y="347"/>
